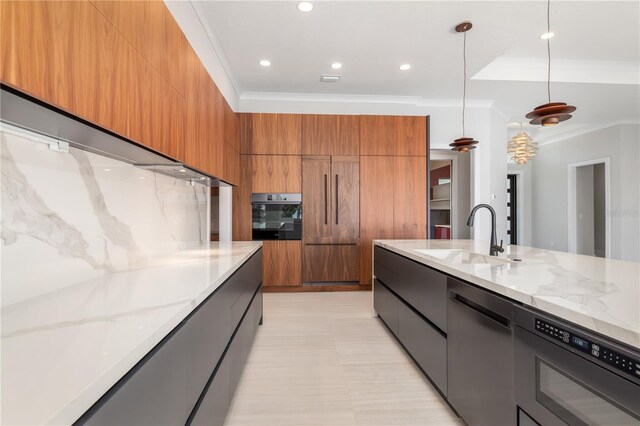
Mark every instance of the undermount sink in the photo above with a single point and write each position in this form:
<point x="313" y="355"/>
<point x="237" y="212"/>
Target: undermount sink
<point x="464" y="257"/>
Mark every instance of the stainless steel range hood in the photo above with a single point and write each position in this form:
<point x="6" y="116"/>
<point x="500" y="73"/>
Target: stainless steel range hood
<point x="25" y="112"/>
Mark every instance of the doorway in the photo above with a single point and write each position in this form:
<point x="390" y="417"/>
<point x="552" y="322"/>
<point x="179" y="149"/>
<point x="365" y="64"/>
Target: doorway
<point x="440" y="197"/>
<point x="589" y="202"/>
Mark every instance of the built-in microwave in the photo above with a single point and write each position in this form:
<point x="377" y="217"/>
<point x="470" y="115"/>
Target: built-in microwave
<point x="276" y="216"/>
<point x="566" y="375"/>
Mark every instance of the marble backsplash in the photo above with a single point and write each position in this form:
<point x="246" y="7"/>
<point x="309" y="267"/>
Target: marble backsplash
<point x="69" y="217"/>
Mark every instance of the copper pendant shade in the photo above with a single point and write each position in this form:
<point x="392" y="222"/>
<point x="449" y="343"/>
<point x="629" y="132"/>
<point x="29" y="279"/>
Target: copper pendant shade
<point x="550" y="113"/>
<point x="464" y="144"/>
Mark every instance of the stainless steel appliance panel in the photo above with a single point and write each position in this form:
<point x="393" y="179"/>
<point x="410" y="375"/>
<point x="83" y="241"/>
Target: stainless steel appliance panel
<point x="276" y="216"/>
<point x="560" y="380"/>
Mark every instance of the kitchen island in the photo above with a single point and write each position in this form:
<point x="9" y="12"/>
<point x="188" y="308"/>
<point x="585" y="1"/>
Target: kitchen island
<point x="64" y="351"/>
<point x="478" y="326"/>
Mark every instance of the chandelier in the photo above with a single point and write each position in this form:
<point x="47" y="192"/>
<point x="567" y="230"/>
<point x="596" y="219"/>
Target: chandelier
<point x="521" y="148"/>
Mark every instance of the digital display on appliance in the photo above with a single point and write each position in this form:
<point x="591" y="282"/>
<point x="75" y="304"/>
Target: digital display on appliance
<point x="582" y="343"/>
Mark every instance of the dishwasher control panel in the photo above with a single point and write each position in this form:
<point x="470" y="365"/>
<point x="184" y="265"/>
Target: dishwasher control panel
<point x="596" y="350"/>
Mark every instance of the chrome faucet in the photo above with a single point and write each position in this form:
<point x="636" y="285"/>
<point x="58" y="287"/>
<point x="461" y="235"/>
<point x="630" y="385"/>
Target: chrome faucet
<point x="494" y="248"/>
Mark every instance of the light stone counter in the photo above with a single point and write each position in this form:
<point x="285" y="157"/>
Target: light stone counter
<point x="61" y="351"/>
<point x="598" y="294"/>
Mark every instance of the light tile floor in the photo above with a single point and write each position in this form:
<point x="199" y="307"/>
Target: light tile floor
<point x="321" y="359"/>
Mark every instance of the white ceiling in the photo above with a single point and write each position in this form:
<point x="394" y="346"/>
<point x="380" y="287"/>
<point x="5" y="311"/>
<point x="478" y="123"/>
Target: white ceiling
<point x="597" y="48"/>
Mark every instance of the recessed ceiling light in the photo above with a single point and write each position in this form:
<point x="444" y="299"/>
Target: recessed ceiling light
<point x="265" y="63"/>
<point x="336" y="65"/>
<point x="305" y="6"/>
<point x="546" y="36"/>
<point x="182" y="170"/>
<point x="107" y="170"/>
<point x="404" y="67"/>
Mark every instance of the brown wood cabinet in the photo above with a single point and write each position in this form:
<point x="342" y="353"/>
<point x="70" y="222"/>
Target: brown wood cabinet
<point x="376" y="207"/>
<point x="276" y="173"/>
<point x="282" y="263"/>
<point x="242" y="201"/>
<point x="393" y="135"/>
<point x="272" y="134"/>
<point x="330" y="134"/>
<point x="67" y="54"/>
<point x="231" y="127"/>
<point x="410" y="197"/>
<point x="330" y="262"/>
<point x="330" y="195"/>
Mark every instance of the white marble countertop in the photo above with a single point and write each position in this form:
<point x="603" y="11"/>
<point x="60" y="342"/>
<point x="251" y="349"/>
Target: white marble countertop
<point x="599" y="294"/>
<point x="63" y="350"/>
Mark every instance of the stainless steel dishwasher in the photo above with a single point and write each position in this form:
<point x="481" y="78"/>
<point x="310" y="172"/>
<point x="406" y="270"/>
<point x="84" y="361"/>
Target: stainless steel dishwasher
<point x="480" y="373"/>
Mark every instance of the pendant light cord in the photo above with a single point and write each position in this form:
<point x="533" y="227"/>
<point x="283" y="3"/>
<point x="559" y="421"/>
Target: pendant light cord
<point x="548" y="51"/>
<point x="464" y="84"/>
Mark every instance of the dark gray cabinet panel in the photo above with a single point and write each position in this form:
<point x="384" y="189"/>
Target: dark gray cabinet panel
<point x="167" y="384"/>
<point x="152" y="393"/>
<point x="215" y="402"/>
<point x="427" y="346"/>
<point x="208" y="333"/>
<point x="422" y="287"/>
<point x="242" y="341"/>
<point x="386" y="305"/>
<point x="480" y="351"/>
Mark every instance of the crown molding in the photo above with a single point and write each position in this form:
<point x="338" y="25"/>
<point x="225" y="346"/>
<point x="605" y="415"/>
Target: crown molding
<point x="328" y="99"/>
<point x="564" y="71"/>
<point x="583" y="130"/>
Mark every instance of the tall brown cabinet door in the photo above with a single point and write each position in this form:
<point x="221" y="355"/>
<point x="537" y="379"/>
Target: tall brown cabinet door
<point x="376" y="204"/>
<point x="345" y="175"/>
<point x="316" y="201"/>
<point x="410" y="198"/>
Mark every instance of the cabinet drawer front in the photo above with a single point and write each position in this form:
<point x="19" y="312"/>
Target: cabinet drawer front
<point x="427" y="346"/>
<point x="212" y="411"/>
<point x="330" y="262"/>
<point x="209" y="331"/>
<point x="242" y="342"/>
<point x="154" y="392"/>
<point x="422" y="287"/>
<point x="386" y="305"/>
<point x="242" y="286"/>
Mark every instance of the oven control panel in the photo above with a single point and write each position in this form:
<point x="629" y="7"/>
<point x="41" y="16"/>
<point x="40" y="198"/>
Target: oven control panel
<point x="596" y="350"/>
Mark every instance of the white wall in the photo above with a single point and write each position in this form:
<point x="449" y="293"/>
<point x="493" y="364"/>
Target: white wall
<point x="619" y="143"/>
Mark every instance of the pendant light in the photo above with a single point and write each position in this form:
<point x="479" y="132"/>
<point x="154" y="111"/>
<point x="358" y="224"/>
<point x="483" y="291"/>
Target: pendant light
<point x="521" y="148"/>
<point x="464" y="144"/>
<point x="550" y="113"/>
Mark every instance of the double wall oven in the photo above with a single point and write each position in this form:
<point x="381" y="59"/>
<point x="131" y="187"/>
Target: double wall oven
<point x="566" y="375"/>
<point x="276" y="216"/>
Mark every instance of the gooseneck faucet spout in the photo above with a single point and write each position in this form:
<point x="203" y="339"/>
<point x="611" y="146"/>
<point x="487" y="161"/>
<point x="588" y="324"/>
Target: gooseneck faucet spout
<point x="494" y="248"/>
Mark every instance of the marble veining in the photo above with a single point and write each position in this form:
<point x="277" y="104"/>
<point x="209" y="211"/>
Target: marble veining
<point x="61" y="351"/>
<point x="602" y="295"/>
<point x="70" y="217"/>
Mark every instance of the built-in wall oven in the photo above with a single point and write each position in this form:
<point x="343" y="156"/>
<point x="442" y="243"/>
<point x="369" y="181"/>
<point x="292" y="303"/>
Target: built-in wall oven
<point x="565" y="375"/>
<point x="276" y="216"/>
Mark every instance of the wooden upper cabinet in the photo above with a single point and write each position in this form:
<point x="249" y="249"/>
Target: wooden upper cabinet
<point x="410" y="135"/>
<point x="393" y="135"/>
<point x="377" y="133"/>
<point x="276" y="173"/>
<point x="196" y="150"/>
<point x="231" y="127"/>
<point x="68" y="55"/>
<point x="330" y="135"/>
<point x="215" y="129"/>
<point x="410" y="197"/>
<point x="151" y="29"/>
<point x="231" y="165"/>
<point x="275" y="134"/>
